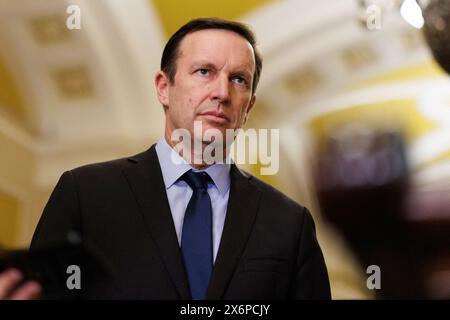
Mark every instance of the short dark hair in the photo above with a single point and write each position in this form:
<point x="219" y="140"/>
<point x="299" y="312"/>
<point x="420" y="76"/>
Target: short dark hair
<point x="171" y="50"/>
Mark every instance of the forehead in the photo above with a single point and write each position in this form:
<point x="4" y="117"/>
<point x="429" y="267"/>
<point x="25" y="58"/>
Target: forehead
<point x="217" y="46"/>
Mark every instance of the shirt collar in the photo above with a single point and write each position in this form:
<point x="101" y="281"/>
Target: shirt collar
<point x="173" y="166"/>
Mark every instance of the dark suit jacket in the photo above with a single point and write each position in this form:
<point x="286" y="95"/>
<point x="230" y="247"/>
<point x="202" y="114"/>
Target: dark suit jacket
<point x="268" y="248"/>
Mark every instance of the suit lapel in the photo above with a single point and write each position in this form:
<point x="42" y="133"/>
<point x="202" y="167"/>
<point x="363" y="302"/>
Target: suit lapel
<point x="241" y="213"/>
<point x="146" y="181"/>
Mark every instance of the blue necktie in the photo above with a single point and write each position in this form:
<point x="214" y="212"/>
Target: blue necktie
<point x="196" y="238"/>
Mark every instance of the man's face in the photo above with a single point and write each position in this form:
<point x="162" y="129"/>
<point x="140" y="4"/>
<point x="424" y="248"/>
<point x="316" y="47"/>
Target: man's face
<point x="213" y="83"/>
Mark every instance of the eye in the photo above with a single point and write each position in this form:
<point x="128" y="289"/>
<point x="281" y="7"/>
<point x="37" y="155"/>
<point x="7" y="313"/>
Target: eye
<point x="203" y="71"/>
<point x="240" y="80"/>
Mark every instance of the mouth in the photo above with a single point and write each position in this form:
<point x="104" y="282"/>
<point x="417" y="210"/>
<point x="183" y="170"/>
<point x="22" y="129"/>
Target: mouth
<point x="214" y="116"/>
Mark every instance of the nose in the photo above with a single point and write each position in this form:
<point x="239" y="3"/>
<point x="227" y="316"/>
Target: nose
<point x="221" y="90"/>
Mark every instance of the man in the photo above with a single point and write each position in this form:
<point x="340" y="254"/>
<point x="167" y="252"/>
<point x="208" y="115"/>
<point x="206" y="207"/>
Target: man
<point x="173" y="227"/>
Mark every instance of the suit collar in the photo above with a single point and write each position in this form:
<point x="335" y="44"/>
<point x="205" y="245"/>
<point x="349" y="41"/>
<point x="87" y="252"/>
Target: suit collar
<point x="146" y="181"/>
<point x="242" y="209"/>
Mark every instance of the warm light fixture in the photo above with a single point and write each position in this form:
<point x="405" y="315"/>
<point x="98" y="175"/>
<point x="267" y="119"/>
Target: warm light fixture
<point x="432" y="16"/>
<point x="412" y="13"/>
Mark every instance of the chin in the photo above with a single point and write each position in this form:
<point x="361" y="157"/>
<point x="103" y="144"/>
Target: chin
<point x="216" y="131"/>
<point x="214" y="126"/>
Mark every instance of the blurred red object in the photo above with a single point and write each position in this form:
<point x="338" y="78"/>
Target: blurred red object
<point x="362" y="184"/>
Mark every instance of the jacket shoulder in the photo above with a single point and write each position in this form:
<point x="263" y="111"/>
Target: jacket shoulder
<point x="270" y="193"/>
<point x="110" y="166"/>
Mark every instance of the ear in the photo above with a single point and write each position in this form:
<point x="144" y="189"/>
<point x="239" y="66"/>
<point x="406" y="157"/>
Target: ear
<point x="162" y="87"/>
<point x="249" y="108"/>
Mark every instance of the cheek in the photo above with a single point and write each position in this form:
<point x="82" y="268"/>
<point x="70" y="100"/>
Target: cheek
<point x="243" y="108"/>
<point x="183" y="102"/>
<point x="194" y="96"/>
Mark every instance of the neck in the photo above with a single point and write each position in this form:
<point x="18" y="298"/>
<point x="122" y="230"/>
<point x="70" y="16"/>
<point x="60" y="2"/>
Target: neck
<point x="189" y="153"/>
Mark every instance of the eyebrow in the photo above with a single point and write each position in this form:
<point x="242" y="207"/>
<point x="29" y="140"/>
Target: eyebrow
<point x="203" y="64"/>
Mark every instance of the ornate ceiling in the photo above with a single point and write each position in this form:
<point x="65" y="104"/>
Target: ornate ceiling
<point x="82" y="95"/>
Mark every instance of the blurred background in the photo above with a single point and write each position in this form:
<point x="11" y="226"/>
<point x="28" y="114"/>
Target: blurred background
<point x="362" y="107"/>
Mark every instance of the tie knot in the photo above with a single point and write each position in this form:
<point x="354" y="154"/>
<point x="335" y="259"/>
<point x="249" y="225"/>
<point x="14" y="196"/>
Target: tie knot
<point x="196" y="180"/>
